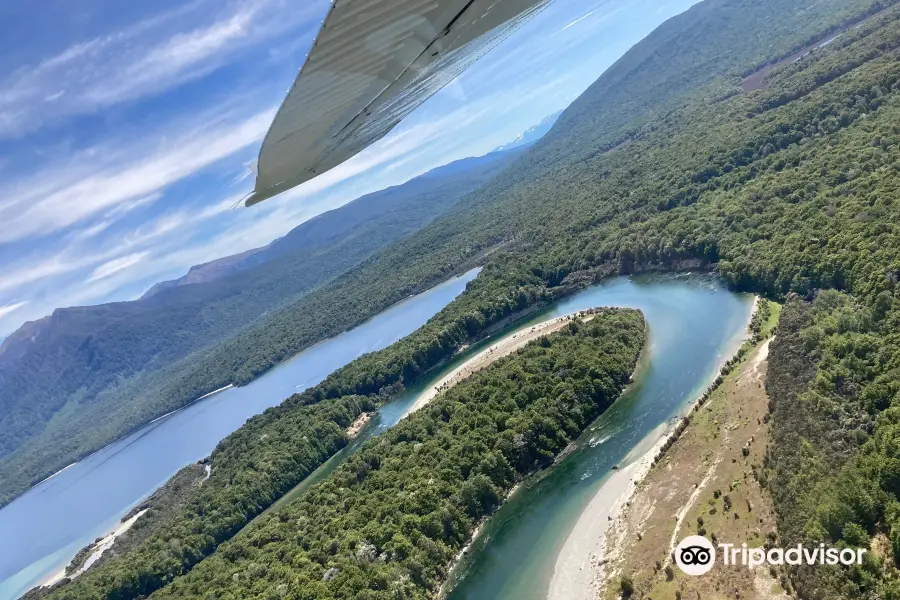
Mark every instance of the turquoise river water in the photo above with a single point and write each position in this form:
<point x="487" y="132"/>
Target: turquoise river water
<point x="695" y="325"/>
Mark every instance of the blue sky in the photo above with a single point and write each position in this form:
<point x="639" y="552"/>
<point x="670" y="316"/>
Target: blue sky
<point x="127" y="128"/>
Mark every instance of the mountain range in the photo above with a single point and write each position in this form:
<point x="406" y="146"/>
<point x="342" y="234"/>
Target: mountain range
<point x="62" y="361"/>
<point x="532" y="134"/>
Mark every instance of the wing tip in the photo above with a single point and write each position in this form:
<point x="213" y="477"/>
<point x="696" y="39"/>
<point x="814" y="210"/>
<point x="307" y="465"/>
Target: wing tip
<point x="253" y="199"/>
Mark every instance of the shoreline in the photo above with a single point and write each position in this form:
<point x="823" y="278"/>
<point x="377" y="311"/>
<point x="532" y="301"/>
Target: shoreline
<point x="499" y="349"/>
<point x="190" y="404"/>
<point x="49" y="477"/>
<point x="98" y="548"/>
<point x="124" y="437"/>
<point x="443" y="590"/>
<point x="588" y="545"/>
<point x="212" y="393"/>
<point x="357" y="426"/>
<point x="726" y="437"/>
<point x="459" y="374"/>
<point x="580" y="570"/>
<point x="459" y="273"/>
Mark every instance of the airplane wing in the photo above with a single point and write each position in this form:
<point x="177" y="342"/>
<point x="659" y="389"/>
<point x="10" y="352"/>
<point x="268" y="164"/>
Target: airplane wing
<point x="373" y="63"/>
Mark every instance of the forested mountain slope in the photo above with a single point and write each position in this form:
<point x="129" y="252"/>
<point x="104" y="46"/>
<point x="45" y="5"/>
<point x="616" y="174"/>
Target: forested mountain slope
<point x="62" y="362"/>
<point x="784" y="190"/>
<point x="714" y="39"/>
<point x="395" y="211"/>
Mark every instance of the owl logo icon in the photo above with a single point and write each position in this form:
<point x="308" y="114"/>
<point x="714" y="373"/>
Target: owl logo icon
<point x="695" y="555"/>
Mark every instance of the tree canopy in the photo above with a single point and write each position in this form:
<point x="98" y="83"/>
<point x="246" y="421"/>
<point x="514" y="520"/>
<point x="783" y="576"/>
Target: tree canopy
<point x="790" y="189"/>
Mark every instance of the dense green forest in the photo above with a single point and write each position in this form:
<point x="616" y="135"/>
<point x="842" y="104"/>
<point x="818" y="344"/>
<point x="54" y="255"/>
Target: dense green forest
<point x="787" y="189"/>
<point x="834" y="379"/>
<point x="389" y="521"/>
<point x="250" y="469"/>
<point x="546" y="217"/>
<point x="67" y="383"/>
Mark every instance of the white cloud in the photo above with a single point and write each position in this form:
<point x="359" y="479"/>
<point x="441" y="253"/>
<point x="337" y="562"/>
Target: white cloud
<point x="11" y="307"/>
<point x="80" y="235"/>
<point x="14" y="277"/>
<point x="126" y="207"/>
<point x="114" y="266"/>
<point x="94" y="184"/>
<point x="183" y="57"/>
<point x="145" y="59"/>
<point x="150" y="236"/>
<point x="578" y="20"/>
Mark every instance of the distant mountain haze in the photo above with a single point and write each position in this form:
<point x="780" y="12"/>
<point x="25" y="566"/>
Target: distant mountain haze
<point x="532" y="134"/>
<point x="64" y="360"/>
<point x="665" y="162"/>
<point x="340" y="222"/>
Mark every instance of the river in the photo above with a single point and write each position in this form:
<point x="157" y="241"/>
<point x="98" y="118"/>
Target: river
<point x="44" y="528"/>
<point x="695" y="325"/>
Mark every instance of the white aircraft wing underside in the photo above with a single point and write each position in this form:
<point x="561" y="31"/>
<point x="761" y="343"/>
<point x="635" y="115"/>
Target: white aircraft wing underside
<point x="373" y="63"/>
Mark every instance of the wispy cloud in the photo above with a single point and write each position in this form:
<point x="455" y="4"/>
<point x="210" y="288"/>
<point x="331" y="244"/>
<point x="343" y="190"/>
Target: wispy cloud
<point x="16" y="277"/>
<point x="114" y="266"/>
<point x="75" y="256"/>
<point x="11" y="307"/>
<point x="95" y="181"/>
<point x="182" y="57"/>
<point x="578" y="20"/>
<point x="148" y="58"/>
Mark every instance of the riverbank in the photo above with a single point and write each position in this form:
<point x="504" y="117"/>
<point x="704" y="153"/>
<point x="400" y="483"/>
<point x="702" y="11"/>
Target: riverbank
<point x="703" y="483"/>
<point x="357" y="426"/>
<point x="706" y="485"/>
<point x="495" y="352"/>
<point x="96" y="551"/>
<point x="475" y="363"/>
<point x="191" y="403"/>
<point x="586" y="562"/>
<point x="66" y="468"/>
<point x="13" y="482"/>
<point x="483" y="359"/>
<point x="109" y="483"/>
<point x="126" y="436"/>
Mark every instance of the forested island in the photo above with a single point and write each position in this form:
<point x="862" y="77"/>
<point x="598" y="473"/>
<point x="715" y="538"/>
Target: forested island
<point x="790" y="189"/>
<point x="399" y="509"/>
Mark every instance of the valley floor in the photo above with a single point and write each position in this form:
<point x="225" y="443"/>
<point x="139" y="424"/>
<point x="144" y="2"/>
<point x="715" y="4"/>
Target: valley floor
<point x="704" y="484"/>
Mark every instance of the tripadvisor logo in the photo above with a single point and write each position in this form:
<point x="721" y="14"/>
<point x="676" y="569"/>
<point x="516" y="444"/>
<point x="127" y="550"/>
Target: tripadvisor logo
<point x="696" y="555"/>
